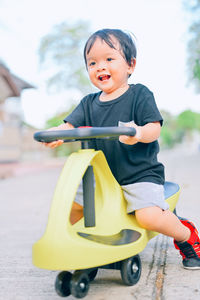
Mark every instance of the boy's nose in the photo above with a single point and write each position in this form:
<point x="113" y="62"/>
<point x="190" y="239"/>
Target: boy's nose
<point x="101" y="66"/>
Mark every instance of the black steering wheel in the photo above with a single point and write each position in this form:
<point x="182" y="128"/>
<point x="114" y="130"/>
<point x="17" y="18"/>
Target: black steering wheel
<point x="83" y="134"/>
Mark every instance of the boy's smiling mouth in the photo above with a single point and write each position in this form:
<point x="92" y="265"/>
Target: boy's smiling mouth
<point x="104" y="77"/>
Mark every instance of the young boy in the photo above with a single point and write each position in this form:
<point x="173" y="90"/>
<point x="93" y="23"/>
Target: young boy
<point x="110" y="57"/>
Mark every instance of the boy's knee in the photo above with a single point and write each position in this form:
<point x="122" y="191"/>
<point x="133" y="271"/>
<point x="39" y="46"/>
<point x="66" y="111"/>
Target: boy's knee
<point x="147" y="218"/>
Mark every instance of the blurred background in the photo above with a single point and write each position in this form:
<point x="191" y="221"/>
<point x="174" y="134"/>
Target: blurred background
<point x="43" y="77"/>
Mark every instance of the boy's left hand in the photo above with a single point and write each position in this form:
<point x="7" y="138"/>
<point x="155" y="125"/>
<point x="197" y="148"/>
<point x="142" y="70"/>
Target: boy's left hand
<point x="131" y="140"/>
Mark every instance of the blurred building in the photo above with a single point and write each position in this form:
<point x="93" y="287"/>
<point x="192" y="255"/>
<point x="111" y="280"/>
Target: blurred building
<point x="11" y="87"/>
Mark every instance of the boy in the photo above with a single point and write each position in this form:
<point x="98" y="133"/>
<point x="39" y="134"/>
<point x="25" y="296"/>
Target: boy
<point x="110" y="57"/>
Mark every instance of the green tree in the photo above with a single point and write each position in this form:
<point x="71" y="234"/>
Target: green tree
<point x="193" y="47"/>
<point x="61" y="53"/>
<point x="170" y="133"/>
<point x="188" y="120"/>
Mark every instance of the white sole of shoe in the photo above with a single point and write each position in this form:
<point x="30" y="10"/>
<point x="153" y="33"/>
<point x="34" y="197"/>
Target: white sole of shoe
<point x="191" y="268"/>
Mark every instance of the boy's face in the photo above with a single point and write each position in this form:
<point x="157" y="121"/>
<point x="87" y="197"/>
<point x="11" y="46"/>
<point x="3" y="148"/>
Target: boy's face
<point x="107" y="67"/>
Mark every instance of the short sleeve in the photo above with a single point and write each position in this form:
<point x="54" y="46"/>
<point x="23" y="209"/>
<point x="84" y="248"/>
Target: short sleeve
<point x="146" y="109"/>
<point x="77" y="117"/>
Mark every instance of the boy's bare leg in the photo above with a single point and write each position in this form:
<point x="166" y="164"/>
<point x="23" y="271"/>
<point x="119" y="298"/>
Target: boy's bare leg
<point x="165" y="222"/>
<point x="76" y="213"/>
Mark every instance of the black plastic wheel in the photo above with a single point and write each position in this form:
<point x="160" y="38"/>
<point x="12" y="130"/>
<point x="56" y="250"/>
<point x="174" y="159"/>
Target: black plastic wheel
<point x="92" y="274"/>
<point x="79" y="284"/>
<point x="62" y="284"/>
<point x="131" y="270"/>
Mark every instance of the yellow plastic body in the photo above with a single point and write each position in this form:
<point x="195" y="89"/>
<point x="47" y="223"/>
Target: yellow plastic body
<point x="61" y="247"/>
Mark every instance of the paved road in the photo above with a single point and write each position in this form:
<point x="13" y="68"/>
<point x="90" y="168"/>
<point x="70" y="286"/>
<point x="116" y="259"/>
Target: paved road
<point x="25" y="202"/>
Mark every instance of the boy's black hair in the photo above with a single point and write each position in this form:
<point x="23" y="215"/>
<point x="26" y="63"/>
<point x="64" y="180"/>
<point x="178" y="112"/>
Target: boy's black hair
<point x="126" y="43"/>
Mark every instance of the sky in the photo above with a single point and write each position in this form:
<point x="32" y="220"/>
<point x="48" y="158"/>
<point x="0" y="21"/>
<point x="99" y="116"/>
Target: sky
<point x="160" y="27"/>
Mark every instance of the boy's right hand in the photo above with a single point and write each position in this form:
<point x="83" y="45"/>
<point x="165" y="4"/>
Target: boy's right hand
<point x="57" y="143"/>
<point x="54" y="144"/>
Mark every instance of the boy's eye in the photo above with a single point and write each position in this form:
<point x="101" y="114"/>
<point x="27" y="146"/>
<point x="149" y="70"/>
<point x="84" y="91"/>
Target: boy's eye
<point x="109" y="59"/>
<point x="92" y="63"/>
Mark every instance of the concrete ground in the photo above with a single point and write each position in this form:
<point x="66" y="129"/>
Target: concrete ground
<point x="25" y="202"/>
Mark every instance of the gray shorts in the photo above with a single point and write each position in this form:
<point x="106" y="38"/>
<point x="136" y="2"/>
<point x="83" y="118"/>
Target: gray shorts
<point x="138" y="195"/>
<point x="144" y="194"/>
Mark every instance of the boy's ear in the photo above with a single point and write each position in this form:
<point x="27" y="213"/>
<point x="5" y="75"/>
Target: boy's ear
<point x="133" y="62"/>
<point x="132" y="66"/>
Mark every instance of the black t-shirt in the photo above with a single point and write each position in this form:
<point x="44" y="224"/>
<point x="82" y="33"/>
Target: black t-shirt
<point x="128" y="163"/>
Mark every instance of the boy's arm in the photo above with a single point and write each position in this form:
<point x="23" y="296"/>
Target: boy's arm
<point x="144" y="134"/>
<point x="64" y="126"/>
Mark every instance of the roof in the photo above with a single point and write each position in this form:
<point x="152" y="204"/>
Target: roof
<point x="11" y="85"/>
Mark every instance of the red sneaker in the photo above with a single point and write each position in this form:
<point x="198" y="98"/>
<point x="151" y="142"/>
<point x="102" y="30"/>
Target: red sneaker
<point x="190" y="250"/>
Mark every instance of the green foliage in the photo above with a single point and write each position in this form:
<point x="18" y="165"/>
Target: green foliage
<point x="61" y="52"/>
<point x="170" y="135"/>
<point x="193" y="60"/>
<point x="175" y="128"/>
<point x="196" y="70"/>
<point x="188" y="120"/>
<point x="167" y="139"/>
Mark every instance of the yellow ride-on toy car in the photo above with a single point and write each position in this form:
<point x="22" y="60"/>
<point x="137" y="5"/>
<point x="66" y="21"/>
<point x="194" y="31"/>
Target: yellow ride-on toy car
<point x="106" y="236"/>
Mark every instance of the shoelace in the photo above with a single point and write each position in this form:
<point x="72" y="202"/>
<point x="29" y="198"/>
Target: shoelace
<point x="197" y="248"/>
<point x="191" y="250"/>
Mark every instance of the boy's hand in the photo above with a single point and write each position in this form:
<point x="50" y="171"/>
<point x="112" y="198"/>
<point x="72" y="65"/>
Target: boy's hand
<point x="148" y="133"/>
<point x="57" y="143"/>
<point x="54" y="144"/>
<point x="131" y="140"/>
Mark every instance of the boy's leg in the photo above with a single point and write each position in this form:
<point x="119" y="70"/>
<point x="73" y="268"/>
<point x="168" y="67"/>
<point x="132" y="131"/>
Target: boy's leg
<point x="76" y="213"/>
<point x="162" y="221"/>
<point x="184" y="232"/>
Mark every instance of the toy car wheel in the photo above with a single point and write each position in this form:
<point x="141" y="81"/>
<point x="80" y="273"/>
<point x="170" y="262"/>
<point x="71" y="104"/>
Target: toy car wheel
<point x="62" y="284"/>
<point x="92" y="274"/>
<point x="131" y="270"/>
<point x="79" y="284"/>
